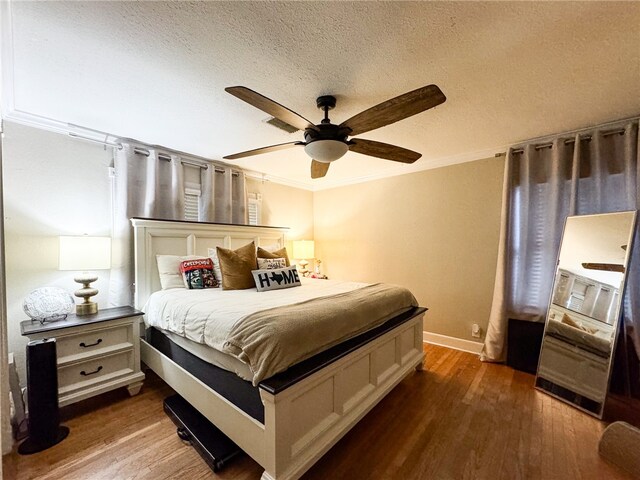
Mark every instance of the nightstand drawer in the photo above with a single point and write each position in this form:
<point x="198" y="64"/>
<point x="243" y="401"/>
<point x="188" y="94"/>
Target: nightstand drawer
<point x="94" y="353"/>
<point x="72" y="348"/>
<point x="96" y="370"/>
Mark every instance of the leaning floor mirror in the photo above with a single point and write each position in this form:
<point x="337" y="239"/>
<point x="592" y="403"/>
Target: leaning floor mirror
<point x="584" y="313"/>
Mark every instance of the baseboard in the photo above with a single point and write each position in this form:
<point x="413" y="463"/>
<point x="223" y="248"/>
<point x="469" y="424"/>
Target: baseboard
<point x="452" y="342"/>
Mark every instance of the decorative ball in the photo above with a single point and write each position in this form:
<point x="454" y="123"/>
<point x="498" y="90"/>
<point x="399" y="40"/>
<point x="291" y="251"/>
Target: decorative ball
<point x="48" y="304"/>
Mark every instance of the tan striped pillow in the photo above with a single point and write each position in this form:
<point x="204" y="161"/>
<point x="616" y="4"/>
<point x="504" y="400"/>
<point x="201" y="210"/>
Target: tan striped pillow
<point x="282" y="253"/>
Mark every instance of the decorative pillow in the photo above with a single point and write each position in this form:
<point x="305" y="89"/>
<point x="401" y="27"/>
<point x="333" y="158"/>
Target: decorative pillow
<point x="169" y="269"/>
<point x="271" y="263"/>
<point x="198" y="274"/>
<point x="213" y="255"/>
<point x="570" y="321"/>
<point x="276" y="279"/>
<point x="281" y="253"/>
<point x="236" y="266"/>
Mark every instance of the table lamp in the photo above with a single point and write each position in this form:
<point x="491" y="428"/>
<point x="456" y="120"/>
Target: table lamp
<point x="302" y="251"/>
<point x="85" y="254"/>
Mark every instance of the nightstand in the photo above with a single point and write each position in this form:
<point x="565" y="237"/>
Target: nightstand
<point x="95" y="353"/>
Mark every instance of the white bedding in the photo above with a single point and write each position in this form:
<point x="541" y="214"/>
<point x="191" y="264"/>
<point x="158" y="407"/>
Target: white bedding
<point x="270" y="331"/>
<point x="208" y="316"/>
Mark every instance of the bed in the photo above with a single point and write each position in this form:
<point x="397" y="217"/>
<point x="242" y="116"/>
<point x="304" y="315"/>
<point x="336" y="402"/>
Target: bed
<point x="295" y="416"/>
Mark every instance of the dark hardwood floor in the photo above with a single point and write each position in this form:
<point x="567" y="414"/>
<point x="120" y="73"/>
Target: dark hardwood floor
<point x="458" y="419"/>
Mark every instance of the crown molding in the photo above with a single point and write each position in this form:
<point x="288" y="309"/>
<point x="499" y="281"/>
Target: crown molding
<point x="279" y="180"/>
<point x="36" y="121"/>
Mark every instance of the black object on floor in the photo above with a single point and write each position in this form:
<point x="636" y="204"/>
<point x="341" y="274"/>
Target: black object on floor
<point x="216" y="449"/>
<point x="42" y="388"/>
<point x="524" y="340"/>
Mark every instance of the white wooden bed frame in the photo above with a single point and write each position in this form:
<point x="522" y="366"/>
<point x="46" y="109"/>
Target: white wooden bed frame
<point x="304" y="421"/>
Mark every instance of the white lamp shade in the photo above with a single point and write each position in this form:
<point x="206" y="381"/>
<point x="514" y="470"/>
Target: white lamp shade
<point x="326" y="151"/>
<point x="303" y="249"/>
<point x="85" y="253"/>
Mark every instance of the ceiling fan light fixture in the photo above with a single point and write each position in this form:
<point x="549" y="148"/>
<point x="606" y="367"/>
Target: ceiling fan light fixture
<point x="326" y="151"/>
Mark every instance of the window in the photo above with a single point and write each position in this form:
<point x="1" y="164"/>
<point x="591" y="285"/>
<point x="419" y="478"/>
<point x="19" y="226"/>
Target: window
<point x="191" y="204"/>
<point x="254" y="206"/>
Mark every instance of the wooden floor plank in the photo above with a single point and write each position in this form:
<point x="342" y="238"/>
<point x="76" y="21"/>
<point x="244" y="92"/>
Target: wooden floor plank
<point x="458" y="419"/>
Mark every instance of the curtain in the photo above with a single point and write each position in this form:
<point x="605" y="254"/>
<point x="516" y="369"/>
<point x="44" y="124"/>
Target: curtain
<point x="148" y="184"/>
<point x="224" y="196"/>
<point x="594" y="172"/>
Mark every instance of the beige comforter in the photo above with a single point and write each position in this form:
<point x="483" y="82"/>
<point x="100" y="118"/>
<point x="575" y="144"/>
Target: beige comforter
<point x="272" y="340"/>
<point x="270" y="331"/>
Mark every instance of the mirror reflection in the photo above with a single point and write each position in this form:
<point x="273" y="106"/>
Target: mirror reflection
<point x="581" y="327"/>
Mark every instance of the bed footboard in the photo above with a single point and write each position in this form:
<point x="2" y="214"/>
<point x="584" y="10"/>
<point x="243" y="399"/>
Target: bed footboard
<point x="307" y="419"/>
<point x="303" y="421"/>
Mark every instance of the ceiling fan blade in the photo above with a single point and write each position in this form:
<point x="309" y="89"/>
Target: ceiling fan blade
<point x="260" y="151"/>
<point x="269" y="106"/>
<point x="396" y="109"/>
<point x="383" y="150"/>
<point x="607" y="267"/>
<point x="319" y="169"/>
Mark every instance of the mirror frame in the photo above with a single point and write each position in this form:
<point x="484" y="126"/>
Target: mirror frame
<point x="617" y="315"/>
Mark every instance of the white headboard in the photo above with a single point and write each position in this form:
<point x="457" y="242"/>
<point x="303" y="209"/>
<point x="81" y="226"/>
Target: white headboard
<point x="163" y="237"/>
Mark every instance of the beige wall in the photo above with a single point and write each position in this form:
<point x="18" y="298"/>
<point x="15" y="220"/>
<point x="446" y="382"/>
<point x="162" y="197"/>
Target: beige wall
<point x="435" y="232"/>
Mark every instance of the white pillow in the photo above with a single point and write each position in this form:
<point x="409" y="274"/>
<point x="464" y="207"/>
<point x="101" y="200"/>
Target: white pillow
<point x="276" y="279"/>
<point x="271" y="248"/>
<point x="213" y="255"/>
<point x="271" y="263"/>
<point x="169" y="270"/>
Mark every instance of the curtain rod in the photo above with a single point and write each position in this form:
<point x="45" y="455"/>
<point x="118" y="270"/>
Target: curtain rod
<point x="164" y="156"/>
<point x="143" y="151"/>
<point x="586" y="138"/>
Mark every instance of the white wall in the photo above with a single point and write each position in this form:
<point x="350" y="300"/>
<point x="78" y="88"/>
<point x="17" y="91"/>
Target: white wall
<point x="53" y="185"/>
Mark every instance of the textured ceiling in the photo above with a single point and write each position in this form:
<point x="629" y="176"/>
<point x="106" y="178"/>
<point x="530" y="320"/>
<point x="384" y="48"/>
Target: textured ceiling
<point x="157" y="71"/>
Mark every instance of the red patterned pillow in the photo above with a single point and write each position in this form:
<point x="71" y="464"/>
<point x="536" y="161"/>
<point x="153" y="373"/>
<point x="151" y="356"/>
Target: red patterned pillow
<point x="198" y="274"/>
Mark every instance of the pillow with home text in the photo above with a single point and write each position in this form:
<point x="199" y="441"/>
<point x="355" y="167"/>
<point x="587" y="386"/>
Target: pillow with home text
<point x="276" y="279"/>
<point x="198" y="273"/>
<point x="271" y="263"/>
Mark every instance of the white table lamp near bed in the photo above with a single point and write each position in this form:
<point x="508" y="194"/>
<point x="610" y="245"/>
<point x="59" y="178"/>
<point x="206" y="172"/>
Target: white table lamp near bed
<point x="85" y="254"/>
<point x="303" y="251"/>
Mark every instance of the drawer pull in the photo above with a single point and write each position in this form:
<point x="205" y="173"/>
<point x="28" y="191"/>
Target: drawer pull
<point x="85" y="374"/>
<point x="85" y="345"/>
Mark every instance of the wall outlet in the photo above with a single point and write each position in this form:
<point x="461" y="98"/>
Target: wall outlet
<point x="475" y="330"/>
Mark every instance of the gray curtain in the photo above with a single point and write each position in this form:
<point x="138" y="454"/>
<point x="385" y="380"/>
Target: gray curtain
<point x="147" y="183"/>
<point x="593" y="172"/>
<point x="223" y="197"/>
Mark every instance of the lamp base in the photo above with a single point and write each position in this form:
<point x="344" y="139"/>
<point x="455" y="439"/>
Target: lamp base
<point x="86" y="292"/>
<point x="87" y="308"/>
<point x="303" y="268"/>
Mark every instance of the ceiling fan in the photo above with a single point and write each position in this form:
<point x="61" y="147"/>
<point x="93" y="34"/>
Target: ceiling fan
<point x="327" y="142"/>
